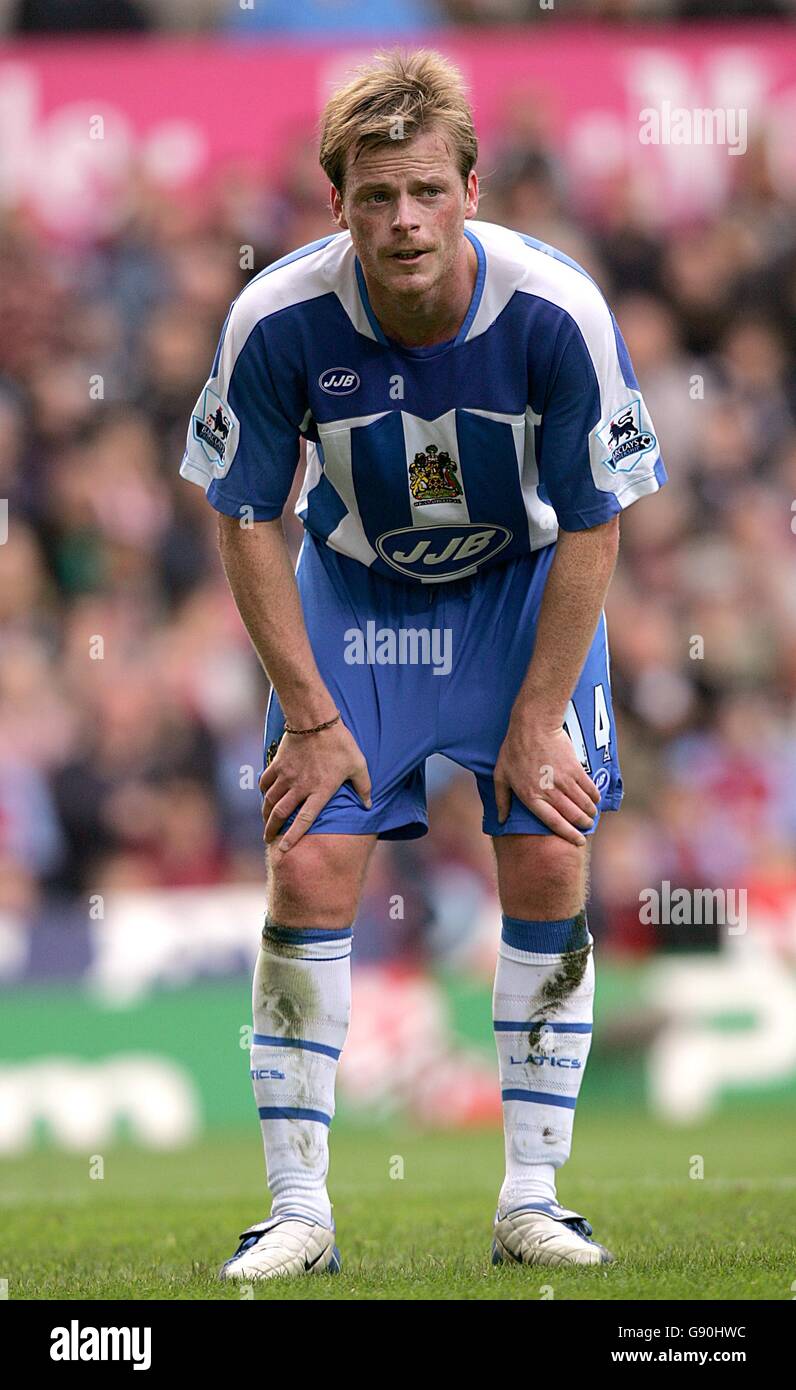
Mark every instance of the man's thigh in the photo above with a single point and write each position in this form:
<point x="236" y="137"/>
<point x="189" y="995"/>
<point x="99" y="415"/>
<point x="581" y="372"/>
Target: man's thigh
<point x="354" y="619"/>
<point x="541" y="878"/>
<point x="318" y="882"/>
<point x="493" y="635"/>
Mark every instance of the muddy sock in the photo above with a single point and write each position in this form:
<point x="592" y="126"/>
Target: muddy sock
<point x="301" y="1001"/>
<point x="542" y="1011"/>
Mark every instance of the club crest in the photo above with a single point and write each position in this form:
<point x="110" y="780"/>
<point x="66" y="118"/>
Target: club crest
<point x="432" y="477"/>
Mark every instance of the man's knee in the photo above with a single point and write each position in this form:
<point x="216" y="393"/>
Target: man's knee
<point x="317" y="883"/>
<point x="541" y="876"/>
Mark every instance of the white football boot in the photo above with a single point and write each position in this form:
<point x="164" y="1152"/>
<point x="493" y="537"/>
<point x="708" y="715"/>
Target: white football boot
<point x="283" y="1245"/>
<point x="544" y="1233"/>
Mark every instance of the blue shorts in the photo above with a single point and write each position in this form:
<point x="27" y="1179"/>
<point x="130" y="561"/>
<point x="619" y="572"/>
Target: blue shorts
<point x="417" y="669"/>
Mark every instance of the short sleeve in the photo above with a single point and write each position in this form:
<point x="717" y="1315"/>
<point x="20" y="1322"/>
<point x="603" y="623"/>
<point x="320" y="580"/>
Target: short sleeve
<point x="243" y="435"/>
<point x="597" y="451"/>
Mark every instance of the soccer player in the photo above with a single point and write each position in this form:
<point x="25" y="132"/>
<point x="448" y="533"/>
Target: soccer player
<point x="473" y="431"/>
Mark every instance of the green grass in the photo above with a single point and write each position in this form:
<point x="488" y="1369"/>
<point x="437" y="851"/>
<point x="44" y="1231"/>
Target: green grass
<point x="158" y="1225"/>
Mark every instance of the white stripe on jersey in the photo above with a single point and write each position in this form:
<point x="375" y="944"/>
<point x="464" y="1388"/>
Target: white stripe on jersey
<point x="440" y="433"/>
<point x="349" y="536"/>
<point x="312" y="475"/>
<point x="542" y="520"/>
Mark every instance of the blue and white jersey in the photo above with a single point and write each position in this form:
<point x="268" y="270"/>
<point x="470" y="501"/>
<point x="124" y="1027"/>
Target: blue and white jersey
<point x="425" y="463"/>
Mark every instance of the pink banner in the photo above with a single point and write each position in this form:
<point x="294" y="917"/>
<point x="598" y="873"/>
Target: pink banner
<point x="670" y="111"/>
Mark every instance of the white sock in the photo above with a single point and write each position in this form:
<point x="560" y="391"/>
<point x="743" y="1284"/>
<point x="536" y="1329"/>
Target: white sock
<point x="301" y="1004"/>
<point x="542" y="1012"/>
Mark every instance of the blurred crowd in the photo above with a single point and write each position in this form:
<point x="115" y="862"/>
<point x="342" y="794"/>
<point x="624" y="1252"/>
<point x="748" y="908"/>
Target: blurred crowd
<point x="131" y="705"/>
<point x="364" y="17"/>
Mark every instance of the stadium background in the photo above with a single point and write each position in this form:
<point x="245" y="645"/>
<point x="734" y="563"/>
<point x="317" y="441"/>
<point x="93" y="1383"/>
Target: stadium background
<point x="144" y="177"/>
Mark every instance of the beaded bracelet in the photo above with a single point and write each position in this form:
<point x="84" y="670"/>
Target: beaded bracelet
<point x="317" y="729"/>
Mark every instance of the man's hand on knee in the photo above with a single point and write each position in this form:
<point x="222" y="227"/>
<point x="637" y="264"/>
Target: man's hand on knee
<point x="540" y="766"/>
<point x="307" y="771"/>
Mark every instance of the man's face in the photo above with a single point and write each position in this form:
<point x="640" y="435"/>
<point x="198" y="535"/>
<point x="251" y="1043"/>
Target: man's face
<point x="407" y="196"/>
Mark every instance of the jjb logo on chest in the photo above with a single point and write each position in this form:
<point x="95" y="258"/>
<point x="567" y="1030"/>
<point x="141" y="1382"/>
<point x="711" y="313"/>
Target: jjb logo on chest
<point x="438" y="553"/>
<point x="338" y="381"/>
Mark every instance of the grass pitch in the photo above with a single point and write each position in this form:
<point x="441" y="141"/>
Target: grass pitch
<point x="157" y="1226"/>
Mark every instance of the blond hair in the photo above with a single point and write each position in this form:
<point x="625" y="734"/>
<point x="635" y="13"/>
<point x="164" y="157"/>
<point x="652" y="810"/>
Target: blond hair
<point x="397" y="96"/>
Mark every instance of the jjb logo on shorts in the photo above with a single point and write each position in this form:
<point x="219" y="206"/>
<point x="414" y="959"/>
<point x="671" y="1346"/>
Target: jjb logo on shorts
<point x="625" y="438"/>
<point x="441" y="552"/>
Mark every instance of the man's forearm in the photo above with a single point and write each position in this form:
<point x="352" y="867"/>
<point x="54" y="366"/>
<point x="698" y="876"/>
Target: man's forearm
<point x="257" y="564"/>
<point x="573" y="599"/>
